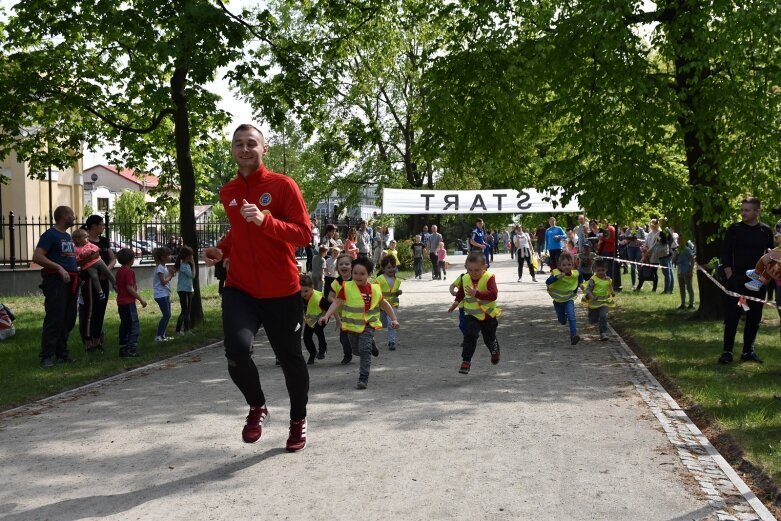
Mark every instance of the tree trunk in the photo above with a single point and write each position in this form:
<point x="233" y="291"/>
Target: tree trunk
<point x="184" y="163"/>
<point x="697" y="121"/>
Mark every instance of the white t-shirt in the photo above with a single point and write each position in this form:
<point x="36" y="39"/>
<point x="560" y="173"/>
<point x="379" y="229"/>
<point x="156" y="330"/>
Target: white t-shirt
<point x="161" y="290"/>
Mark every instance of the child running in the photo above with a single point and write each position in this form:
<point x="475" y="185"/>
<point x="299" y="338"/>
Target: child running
<point x="344" y="270"/>
<point x="478" y="293"/>
<point x="391" y="289"/>
<point x="563" y="287"/>
<point x="599" y="295"/>
<point x="360" y="303"/>
<point x="314" y="305"/>
<point x="127" y="294"/>
<point x="185" y="290"/>
<point x="161" y="287"/>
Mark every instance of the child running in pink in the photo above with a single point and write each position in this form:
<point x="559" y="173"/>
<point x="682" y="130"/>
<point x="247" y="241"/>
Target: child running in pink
<point x="442" y="259"/>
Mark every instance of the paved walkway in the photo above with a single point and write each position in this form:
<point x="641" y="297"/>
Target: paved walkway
<point x="552" y="432"/>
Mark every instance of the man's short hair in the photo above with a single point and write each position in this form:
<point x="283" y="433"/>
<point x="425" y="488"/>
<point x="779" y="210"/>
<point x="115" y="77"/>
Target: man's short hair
<point x="246" y="126"/>
<point x="60" y="212"/>
<point x="752" y="201"/>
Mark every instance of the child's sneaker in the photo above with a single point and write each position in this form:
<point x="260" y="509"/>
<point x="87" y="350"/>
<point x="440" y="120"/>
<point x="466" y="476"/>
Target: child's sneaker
<point x="362" y="384"/>
<point x="311" y="360"/>
<point x="375" y="349"/>
<point x="159" y="339"/>
<point x="101" y="296"/>
<point x="128" y="353"/>
<point x="495" y="353"/>
<point x="346" y="360"/>
<point x="253" y="429"/>
<point x="321" y="353"/>
<point x="574" y="339"/>
<point x="297" y="439"/>
<point x="753" y="285"/>
<point x="604" y="337"/>
<point x="465" y="366"/>
<point x="752" y="274"/>
<point x="391" y="346"/>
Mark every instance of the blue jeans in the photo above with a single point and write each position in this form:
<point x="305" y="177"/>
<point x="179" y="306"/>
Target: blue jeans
<point x="165" y="309"/>
<point x="386" y="323"/>
<point x="633" y="254"/>
<point x="129" y="326"/>
<point x="669" y="280"/>
<point x="565" y="312"/>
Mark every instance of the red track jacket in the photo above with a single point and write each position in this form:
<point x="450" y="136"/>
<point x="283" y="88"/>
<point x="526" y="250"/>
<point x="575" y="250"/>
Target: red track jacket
<point x="262" y="258"/>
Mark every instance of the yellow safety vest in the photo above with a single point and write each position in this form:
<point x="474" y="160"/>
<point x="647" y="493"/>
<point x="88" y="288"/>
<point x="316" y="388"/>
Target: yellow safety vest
<point x="388" y="293"/>
<point x="479" y="308"/>
<point x="565" y="288"/>
<point x="603" y="294"/>
<point x="354" y="318"/>
<point x="313" y="310"/>
<point x="336" y="286"/>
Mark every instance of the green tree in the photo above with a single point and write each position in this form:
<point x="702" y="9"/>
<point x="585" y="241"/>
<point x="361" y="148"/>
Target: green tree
<point x="351" y="73"/>
<point x="130" y="212"/>
<point x="673" y="110"/>
<point x="129" y="74"/>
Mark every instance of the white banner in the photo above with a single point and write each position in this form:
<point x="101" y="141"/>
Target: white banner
<point x="397" y="201"/>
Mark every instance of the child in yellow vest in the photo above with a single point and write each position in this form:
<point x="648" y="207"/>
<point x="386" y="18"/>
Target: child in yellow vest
<point x="315" y="304"/>
<point x="360" y="303"/>
<point x="563" y="287"/>
<point x="478" y="293"/>
<point x="391" y="289"/>
<point x="599" y="296"/>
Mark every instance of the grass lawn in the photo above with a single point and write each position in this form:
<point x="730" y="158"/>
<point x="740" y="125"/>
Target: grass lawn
<point x="22" y="380"/>
<point x="743" y="399"/>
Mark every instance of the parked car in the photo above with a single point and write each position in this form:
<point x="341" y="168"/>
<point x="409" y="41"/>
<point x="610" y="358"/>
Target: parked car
<point x="146" y="247"/>
<point x="462" y="246"/>
<point x="116" y="246"/>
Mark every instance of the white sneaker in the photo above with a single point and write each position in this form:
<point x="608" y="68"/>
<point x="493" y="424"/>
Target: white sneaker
<point x="752" y="274"/>
<point x="159" y="339"/>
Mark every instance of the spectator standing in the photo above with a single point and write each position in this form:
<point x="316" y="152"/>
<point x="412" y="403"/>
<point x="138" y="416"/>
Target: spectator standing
<point x="349" y="243"/>
<point x="127" y="294"/>
<point x="329" y="240"/>
<point x="511" y="245"/>
<point x="433" y="245"/>
<point x="581" y="232"/>
<point x="490" y="245"/>
<point x="523" y="247"/>
<point x="607" y="250"/>
<point x="744" y="243"/>
<point x="311" y="248"/>
<point x="633" y="252"/>
<point x="417" y="256"/>
<point x="379" y="242"/>
<point x="269" y="296"/>
<point x="477" y="241"/>
<point x="539" y="236"/>
<point x="56" y="254"/>
<point x="92" y="310"/>
<point x="364" y="241"/>
<point x="554" y="242"/>
<point x="424" y="235"/>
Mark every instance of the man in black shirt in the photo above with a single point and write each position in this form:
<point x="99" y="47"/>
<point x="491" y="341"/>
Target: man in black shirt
<point x="744" y="243"/>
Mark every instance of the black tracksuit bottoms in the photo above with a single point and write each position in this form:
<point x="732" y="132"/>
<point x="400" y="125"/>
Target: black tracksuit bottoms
<point x="283" y="320"/>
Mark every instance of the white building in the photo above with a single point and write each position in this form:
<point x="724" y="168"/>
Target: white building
<point x="366" y="209"/>
<point x="104" y="183"/>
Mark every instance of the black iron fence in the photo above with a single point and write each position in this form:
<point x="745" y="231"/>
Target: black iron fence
<point x="19" y="236"/>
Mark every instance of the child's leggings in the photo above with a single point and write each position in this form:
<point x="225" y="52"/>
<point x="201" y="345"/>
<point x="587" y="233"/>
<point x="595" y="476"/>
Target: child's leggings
<point x="165" y="309"/>
<point x="386" y="323"/>
<point x="472" y="330"/>
<point x="685" y="284"/>
<point x="310" y="343"/>
<point x="565" y="312"/>
<point x="185" y="317"/>
<point x="599" y="315"/>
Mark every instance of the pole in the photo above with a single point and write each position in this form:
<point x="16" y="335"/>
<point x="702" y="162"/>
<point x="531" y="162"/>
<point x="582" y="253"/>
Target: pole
<point x="51" y="218"/>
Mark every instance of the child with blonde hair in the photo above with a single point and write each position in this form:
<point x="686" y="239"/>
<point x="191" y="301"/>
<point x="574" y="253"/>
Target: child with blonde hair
<point x="563" y="288"/>
<point x="390" y="284"/>
<point x="477" y="294"/>
<point x="442" y="259"/>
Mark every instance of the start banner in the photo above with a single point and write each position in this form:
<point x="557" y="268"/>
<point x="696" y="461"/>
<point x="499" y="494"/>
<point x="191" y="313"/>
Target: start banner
<point x="400" y="201"/>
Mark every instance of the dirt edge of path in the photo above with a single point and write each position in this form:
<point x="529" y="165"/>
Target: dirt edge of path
<point x="755" y="477"/>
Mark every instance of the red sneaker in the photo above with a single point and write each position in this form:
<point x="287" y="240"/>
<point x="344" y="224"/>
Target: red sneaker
<point x="465" y="366"/>
<point x="495" y="356"/>
<point x="297" y="439"/>
<point x="253" y="429"/>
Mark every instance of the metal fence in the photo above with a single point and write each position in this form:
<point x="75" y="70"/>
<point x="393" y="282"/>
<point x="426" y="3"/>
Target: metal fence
<point x="19" y="236"/>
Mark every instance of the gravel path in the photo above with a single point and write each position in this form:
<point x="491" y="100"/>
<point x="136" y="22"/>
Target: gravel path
<point x="552" y="432"/>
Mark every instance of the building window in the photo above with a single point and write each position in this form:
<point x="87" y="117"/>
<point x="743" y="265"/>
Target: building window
<point x="103" y="204"/>
<point x="89" y="186"/>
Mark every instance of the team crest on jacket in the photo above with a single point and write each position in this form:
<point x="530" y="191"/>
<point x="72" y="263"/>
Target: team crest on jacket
<point x="265" y="199"/>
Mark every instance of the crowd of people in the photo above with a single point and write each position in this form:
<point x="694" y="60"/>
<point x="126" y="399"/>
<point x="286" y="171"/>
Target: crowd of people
<point x="355" y="281"/>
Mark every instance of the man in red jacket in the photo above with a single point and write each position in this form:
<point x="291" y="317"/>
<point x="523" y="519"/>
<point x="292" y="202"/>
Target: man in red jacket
<point x="268" y="219"/>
